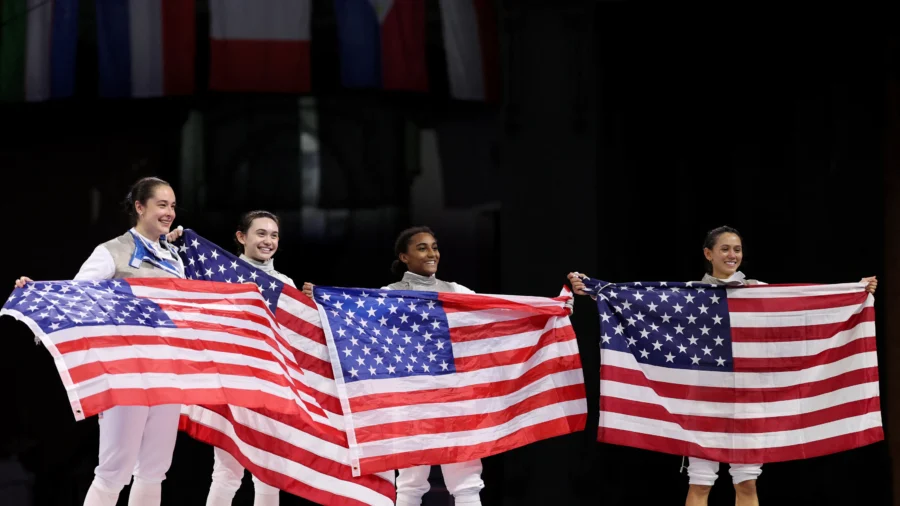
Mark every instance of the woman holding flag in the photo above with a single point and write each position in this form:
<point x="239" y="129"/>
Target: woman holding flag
<point x="257" y="239"/>
<point x="136" y="440"/>
<point x="723" y="252"/>
<point x="416" y="260"/>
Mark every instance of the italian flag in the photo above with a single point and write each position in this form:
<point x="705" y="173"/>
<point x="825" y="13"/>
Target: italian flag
<point x="38" y="39"/>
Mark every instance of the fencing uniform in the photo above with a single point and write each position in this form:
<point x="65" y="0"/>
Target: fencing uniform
<point x="227" y="471"/>
<point x="134" y="440"/>
<point x="705" y="472"/>
<point x="463" y="479"/>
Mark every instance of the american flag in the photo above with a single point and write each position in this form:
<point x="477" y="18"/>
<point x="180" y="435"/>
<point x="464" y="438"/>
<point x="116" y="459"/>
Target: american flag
<point x="435" y="378"/>
<point x="752" y="374"/>
<point x="306" y="456"/>
<point x="161" y="341"/>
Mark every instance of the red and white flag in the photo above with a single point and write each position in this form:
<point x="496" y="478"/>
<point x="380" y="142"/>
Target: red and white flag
<point x="260" y="45"/>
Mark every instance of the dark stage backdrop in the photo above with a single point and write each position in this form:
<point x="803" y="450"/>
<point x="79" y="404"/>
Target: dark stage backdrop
<point x="620" y="142"/>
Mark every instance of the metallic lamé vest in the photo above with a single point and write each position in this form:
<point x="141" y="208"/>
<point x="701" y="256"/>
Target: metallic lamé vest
<point x="122" y="248"/>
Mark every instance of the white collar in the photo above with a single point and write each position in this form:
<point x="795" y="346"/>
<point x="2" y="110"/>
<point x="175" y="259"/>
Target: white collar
<point x="268" y="266"/>
<point x="737" y="278"/>
<point x="417" y="279"/>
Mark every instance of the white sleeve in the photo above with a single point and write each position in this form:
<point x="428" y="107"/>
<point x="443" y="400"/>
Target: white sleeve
<point x="100" y="265"/>
<point x="458" y="288"/>
<point x="289" y="281"/>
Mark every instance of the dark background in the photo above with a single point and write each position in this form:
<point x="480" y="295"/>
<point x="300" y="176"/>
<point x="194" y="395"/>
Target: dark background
<point x="620" y="140"/>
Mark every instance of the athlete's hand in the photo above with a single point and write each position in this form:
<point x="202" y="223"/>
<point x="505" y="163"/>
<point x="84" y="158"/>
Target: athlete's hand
<point x="577" y="281"/>
<point x="872" y="284"/>
<point x="175" y="234"/>
<point x="20" y="283"/>
<point x="308" y="289"/>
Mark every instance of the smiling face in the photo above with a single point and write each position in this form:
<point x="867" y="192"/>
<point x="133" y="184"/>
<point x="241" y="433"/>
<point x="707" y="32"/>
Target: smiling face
<point x="422" y="255"/>
<point x="156" y="213"/>
<point x="725" y="256"/>
<point x="261" y="240"/>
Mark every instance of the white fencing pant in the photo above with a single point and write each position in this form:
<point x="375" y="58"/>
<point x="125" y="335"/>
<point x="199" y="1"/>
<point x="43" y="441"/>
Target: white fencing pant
<point x="226" y="480"/>
<point x="463" y="481"/>
<point x="134" y="440"/>
<point x="705" y="472"/>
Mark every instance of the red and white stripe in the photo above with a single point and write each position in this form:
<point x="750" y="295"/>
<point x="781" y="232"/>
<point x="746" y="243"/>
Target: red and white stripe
<point x="805" y="383"/>
<point x="289" y="454"/>
<point x="260" y="45"/>
<point x="306" y="456"/>
<point x="518" y="380"/>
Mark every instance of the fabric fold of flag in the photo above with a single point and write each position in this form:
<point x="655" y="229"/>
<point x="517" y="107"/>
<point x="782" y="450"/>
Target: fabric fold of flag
<point x="752" y="374"/>
<point x="436" y="378"/>
<point x="306" y="454"/>
<point x="288" y="453"/>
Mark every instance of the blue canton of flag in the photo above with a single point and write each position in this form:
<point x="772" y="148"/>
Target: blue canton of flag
<point x="387" y="334"/>
<point x="57" y="305"/>
<point x="676" y="325"/>
<point x="205" y="261"/>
